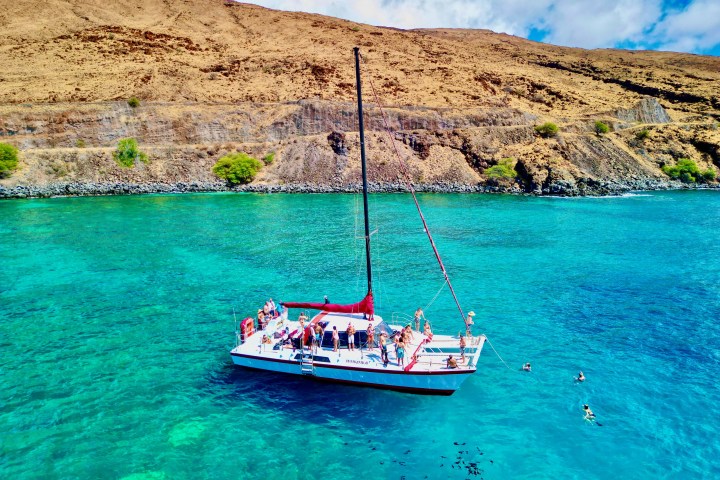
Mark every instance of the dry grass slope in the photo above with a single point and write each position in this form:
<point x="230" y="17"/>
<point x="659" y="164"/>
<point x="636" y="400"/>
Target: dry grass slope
<point x="214" y="73"/>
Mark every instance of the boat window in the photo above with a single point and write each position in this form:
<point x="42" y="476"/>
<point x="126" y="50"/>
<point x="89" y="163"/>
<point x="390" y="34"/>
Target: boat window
<point x="383" y="327"/>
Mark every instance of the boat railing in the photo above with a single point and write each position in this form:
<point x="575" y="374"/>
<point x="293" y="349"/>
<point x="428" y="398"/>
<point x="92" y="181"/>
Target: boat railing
<point x="414" y="357"/>
<point x="401" y="318"/>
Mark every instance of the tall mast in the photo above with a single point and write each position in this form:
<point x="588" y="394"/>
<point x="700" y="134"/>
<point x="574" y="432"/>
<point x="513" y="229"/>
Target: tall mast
<point x="364" y="168"/>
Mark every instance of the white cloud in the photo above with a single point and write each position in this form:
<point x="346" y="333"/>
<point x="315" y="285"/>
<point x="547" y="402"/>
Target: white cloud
<point x="580" y="23"/>
<point x="694" y="29"/>
<point x="600" y="24"/>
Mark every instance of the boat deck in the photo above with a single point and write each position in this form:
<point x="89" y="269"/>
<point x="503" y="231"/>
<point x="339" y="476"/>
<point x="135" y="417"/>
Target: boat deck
<point x="421" y="354"/>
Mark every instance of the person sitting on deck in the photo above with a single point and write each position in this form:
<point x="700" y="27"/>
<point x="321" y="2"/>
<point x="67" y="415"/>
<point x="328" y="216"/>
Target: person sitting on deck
<point x="266" y="340"/>
<point x="370" y="336"/>
<point x="336" y="338"/>
<point x="351" y="336"/>
<point x="285" y="339"/>
<point x="427" y="332"/>
<point x="451" y="362"/>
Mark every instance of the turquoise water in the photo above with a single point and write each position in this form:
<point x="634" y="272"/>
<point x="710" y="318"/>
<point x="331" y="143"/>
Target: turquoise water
<point x="116" y="317"/>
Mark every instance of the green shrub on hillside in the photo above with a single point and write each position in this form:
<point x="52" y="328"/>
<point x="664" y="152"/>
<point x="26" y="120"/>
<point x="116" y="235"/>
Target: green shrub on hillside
<point x="80" y="143"/>
<point x="642" y="134"/>
<point x="134" y="102"/>
<point x="504" y="169"/>
<point x="237" y="168"/>
<point x="687" y="171"/>
<point x="601" y="128"/>
<point x="547" y="129"/>
<point x="8" y="159"/>
<point x="269" y="158"/>
<point x="128" y="153"/>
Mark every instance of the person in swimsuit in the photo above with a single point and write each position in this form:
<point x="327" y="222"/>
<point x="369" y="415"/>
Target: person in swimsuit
<point x="527" y="367"/>
<point x="469" y="322"/>
<point x="370" y="336"/>
<point x="383" y="348"/>
<point x="427" y="332"/>
<point x="400" y="353"/>
<point x="580" y="377"/>
<point x="451" y="362"/>
<point x="409" y="333"/>
<point x="589" y="415"/>
<point x="463" y="344"/>
<point x="336" y="338"/>
<point x="318" y="336"/>
<point x="351" y="336"/>
<point x="418" y="315"/>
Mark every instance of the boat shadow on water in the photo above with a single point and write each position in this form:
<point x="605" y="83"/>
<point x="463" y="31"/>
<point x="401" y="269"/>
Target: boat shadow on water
<point x="291" y="393"/>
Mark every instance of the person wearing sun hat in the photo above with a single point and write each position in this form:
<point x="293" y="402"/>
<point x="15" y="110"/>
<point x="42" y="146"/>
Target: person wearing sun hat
<point x="469" y="323"/>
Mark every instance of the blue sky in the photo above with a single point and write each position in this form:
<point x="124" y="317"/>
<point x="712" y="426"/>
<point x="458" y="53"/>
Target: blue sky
<point x="677" y="25"/>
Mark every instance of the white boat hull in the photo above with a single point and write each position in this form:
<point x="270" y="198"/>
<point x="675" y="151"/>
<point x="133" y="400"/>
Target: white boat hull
<point x="427" y="382"/>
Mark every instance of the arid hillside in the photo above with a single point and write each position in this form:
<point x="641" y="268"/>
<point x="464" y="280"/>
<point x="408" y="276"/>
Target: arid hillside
<point x="218" y="76"/>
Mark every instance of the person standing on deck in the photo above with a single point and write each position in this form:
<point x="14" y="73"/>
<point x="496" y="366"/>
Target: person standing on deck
<point x="370" y="336"/>
<point x="336" y="338"/>
<point x="300" y="334"/>
<point x="400" y="353"/>
<point x="469" y="323"/>
<point x="351" y="336"/>
<point x="318" y="337"/>
<point x="419" y="314"/>
<point x="463" y="344"/>
<point x="383" y="348"/>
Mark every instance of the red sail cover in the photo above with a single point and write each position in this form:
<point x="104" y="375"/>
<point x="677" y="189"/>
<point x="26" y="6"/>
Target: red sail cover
<point x="363" y="306"/>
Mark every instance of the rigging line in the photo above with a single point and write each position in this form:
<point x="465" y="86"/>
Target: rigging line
<point x="403" y="168"/>
<point x="435" y="297"/>
<point x="496" y="353"/>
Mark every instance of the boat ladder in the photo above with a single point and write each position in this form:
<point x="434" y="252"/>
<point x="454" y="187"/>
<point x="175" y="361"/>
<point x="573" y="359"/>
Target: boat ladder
<point x="306" y="363"/>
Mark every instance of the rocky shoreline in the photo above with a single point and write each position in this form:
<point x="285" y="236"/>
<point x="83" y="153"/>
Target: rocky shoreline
<point x="567" y="189"/>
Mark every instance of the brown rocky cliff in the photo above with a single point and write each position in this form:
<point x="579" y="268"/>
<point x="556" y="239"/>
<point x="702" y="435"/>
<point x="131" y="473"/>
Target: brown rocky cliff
<point x="217" y="76"/>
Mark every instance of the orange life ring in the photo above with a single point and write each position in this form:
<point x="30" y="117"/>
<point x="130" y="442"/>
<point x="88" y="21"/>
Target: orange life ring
<point x="247" y="328"/>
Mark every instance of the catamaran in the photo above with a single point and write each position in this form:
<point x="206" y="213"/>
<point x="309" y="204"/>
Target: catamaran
<point x="388" y="354"/>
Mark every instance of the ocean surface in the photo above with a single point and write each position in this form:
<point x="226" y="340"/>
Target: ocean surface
<point x="116" y="318"/>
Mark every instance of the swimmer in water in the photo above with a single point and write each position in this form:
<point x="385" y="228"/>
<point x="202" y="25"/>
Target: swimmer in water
<point x="527" y="367"/>
<point x="589" y="415"/>
<point x="580" y="377"/>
